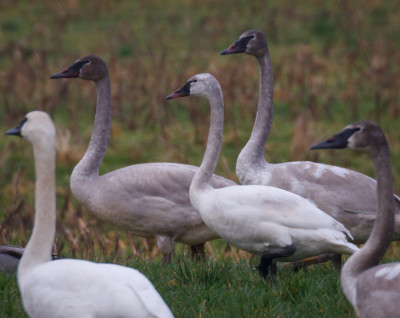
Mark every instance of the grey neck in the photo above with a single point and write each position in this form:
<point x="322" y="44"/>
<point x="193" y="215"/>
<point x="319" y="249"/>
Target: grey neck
<point x="253" y="152"/>
<point x="39" y="248"/>
<point x="90" y="163"/>
<point x="382" y="232"/>
<point x="213" y="149"/>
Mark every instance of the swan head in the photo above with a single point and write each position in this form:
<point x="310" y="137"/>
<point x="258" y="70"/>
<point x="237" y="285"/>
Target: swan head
<point x="36" y="127"/>
<point x="362" y="135"/>
<point x="203" y="85"/>
<point x="252" y="42"/>
<point x="89" y="67"/>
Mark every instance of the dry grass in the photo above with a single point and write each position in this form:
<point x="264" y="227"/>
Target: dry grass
<point x="332" y="65"/>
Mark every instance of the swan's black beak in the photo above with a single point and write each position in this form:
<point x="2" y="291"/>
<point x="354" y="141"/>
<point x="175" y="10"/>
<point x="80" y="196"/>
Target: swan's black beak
<point x="182" y="92"/>
<point x="17" y="130"/>
<point x="239" y="46"/>
<point x="338" y="141"/>
<point x="71" y="71"/>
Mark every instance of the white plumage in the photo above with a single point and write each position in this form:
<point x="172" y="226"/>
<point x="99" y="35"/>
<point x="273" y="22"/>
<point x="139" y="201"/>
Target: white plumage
<point x="267" y="221"/>
<point x="346" y="195"/>
<point x="66" y="287"/>
<point x="151" y="199"/>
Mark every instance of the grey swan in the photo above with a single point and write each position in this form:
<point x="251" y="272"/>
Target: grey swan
<point x="372" y="289"/>
<point x="71" y="287"/>
<point x="266" y="221"/>
<point x="9" y="258"/>
<point x="346" y="195"/>
<point x="151" y="199"/>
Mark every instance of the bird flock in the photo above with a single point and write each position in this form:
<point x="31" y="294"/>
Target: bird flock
<point x="282" y="212"/>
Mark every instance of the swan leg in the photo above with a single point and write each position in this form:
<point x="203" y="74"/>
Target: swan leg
<point x="167" y="258"/>
<point x="197" y="251"/>
<point x="267" y="267"/>
<point x="335" y="258"/>
<point x="166" y="246"/>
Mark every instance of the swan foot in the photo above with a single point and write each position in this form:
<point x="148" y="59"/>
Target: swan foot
<point x="167" y="258"/>
<point x="198" y="252"/>
<point x="335" y="258"/>
<point x="267" y="267"/>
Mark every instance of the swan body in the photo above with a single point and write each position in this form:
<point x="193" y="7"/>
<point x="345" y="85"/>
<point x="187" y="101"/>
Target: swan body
<point x="78" y="288"/>
<point x="255" y="218"/>
<point x="67" y="287"/>
<point x="151" y="199"/>
<point x="372" y="289"/>
<point x="346" y="195"/>
<point x="9" y="258"/>
<point x="263" y="220"/>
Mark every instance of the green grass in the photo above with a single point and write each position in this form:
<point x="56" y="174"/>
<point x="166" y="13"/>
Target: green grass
<point x="223" y="288"/>
<point x="333" y="64"/>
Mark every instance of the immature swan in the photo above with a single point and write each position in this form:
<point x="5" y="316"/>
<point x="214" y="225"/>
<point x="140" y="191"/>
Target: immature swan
<point x="150" y="200"/>
<point x="348" y="196"/>
<point x="9" y="258"/>
<point x="372" y="289"/>
<point x="266" y="221"/>
<point x="67" y="287"/>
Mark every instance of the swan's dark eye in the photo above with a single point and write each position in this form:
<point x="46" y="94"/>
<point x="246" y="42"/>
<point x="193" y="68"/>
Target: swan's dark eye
<point x="193" y="81"/>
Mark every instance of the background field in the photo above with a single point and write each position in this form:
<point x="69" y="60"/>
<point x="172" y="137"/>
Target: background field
<point x="334" y="63"/>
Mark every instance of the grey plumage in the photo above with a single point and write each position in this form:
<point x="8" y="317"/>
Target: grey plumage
<point x="150" y="200"/>
<point x="9" y="258"/>
<point x="348" y="196"/>
<point x="372" y="289"/>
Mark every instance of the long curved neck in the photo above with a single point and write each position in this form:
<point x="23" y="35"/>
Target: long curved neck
<point x="90" y="163"/>
<point x="382" y="232"/>
<point x="39" y="248"/>
<point x="202" y="178"/>
<point x="253" y="152"/>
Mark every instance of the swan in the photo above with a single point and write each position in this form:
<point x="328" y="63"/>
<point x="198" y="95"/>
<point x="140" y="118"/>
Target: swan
<point x="71" y="287"/>
<point x="262" y="220"/>
<point x="372" y="289"/>
<point x="150" y="200"/>
<point x="346" y="195"/>
<point x="9" y="258"/>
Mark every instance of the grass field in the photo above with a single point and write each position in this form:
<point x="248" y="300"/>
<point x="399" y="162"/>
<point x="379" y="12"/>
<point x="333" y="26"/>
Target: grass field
<point x="334" y="63"/>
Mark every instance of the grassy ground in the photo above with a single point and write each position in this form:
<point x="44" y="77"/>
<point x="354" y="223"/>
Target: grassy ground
<point x="334" y="63"/>
<point x="223" y="288"/>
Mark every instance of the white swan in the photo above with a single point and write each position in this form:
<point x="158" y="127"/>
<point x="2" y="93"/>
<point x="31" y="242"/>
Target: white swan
<point x="266" y="221"/>
<point x="346" y="195"/>
<point x="67" y="287"/>
<point x="150" y="200"/>
<point x="372" y="289"/>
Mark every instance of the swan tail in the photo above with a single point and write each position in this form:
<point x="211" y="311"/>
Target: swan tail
<point x="339" y="241"/>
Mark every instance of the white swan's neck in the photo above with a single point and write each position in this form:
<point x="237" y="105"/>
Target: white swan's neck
<point x="382" y="232"/>
<point x="253" y="153"/>
<point x="39" y="248"/>
<point x="89" y="165"/>
<point x="202" y="178"/>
